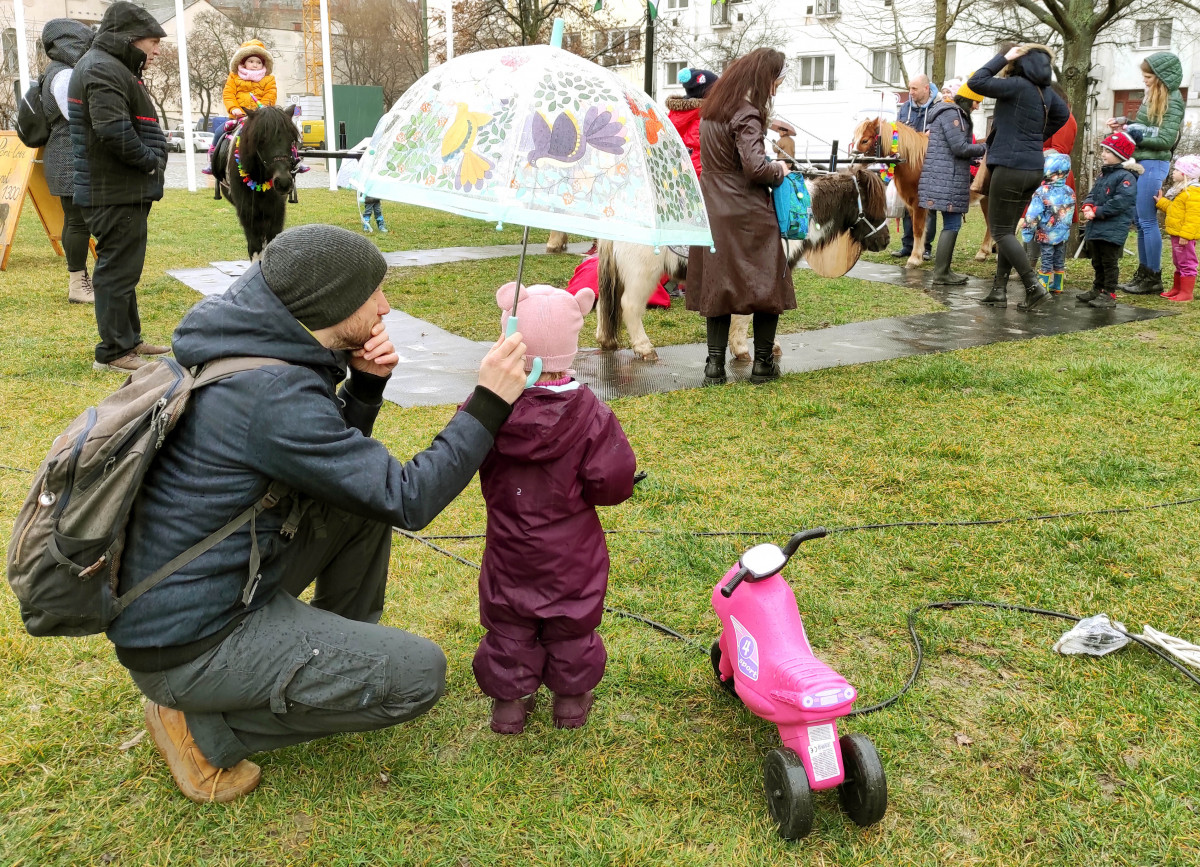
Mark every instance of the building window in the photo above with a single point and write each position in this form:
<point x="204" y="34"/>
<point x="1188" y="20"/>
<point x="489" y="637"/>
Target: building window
<point x="719" y="14"/>
<point x="885" y="67"/>
<point x="1154" y="34"/>
<point x="674" y="67"/>
<point x="677" y="4"/>
<point x="8" y="47"/>
<point x="823" y="8"/>
<point x="816" y="73"/>
<point x="928" y="66"/>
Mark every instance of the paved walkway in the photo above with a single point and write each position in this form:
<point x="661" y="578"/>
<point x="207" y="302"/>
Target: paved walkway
<point x="437" y="367"/>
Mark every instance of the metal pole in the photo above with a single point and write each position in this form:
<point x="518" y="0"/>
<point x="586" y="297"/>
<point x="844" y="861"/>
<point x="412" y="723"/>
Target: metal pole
<point x="327" y="69"/>
<point x="185" y="86"/>
<point x="22" y="45"/>
<point x="833" y="157"/>
<point x="649" y="75"/>
<point x="449" y="29"/>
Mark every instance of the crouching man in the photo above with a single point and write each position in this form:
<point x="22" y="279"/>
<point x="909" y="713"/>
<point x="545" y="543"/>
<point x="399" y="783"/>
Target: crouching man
<point x="231" y="661"/>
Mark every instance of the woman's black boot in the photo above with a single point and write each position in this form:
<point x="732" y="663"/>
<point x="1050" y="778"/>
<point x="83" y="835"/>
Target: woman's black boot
<point x="718" y="342"/>
<point x="1035" y="292"/>
<point x="998" y="297"/>
<point x="765" y="367"/>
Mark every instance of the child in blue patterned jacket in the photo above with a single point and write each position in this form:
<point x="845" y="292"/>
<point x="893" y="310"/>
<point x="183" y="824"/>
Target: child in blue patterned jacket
<point x="1048" y="219"/>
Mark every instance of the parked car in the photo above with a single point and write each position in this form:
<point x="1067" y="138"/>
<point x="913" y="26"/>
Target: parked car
<point x="175" y="140"/>
<point x="201" y="141"/>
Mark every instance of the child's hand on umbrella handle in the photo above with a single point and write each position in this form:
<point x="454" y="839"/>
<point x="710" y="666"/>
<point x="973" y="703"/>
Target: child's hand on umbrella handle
<point x="503" y="368"/>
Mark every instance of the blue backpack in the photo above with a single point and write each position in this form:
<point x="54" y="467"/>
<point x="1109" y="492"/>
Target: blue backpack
<point x="792" y="206"/>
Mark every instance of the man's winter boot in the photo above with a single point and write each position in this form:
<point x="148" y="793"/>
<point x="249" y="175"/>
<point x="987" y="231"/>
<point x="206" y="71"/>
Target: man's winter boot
<point x="196" y="777"/>
<point x="998" y="297"/>
<point x="1187" y="285"/>
<point x="1056" y="282"/>
<point x="1134" y="282"/>
<point x="1104" y="300"/>
<point x="1035" y="293"/>
<point x="1174" y="290"/>
<point x="942" y="275"/>
<point x="79" y="288"/>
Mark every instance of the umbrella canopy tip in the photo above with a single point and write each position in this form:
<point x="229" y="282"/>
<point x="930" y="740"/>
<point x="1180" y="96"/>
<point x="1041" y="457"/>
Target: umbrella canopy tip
<point x="556" y="35"/>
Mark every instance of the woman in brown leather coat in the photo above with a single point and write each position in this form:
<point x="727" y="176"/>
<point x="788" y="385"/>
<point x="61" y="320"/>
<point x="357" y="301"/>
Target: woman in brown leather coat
<point x="748" y="273"/>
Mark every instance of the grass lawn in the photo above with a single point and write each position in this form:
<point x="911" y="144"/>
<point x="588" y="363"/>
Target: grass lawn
<point x="1002" y="754"/>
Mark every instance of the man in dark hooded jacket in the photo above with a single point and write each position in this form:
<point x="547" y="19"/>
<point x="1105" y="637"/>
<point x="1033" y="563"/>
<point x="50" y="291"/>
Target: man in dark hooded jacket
<point x="232" y="662"/>
<point x="120" y="158"/>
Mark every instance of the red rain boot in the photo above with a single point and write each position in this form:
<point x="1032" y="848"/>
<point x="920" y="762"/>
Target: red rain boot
<point x="1175" y="287"/>
<point x="1187" y="284"/>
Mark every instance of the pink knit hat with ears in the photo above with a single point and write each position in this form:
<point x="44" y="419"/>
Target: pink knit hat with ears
<point x="1188" y="166"/>
<point x="549" y="319"/>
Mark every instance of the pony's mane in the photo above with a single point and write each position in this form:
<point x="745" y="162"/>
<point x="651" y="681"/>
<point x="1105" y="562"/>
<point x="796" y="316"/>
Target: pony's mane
<point x="912" y="144"/>
<point x="269" y="131"/>
<point x="873" y="191"/>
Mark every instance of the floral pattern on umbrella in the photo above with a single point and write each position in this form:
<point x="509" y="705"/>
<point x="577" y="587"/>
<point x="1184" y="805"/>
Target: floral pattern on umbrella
<point x="540" y="137"/>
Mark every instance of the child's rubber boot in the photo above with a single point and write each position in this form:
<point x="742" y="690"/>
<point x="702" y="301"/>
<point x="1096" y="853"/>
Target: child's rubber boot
<point x="1175" y="287"/>
<point x="571" y="711"/>
<point x="1056" y="282"/>
<point x="382" y="228"/>
<point x="1103" y="300"/>
<point x="509" y="717"/>
<point x="1046" y="278"/>
<point x="1187" y="286"/>
<point x="366" y="225"/>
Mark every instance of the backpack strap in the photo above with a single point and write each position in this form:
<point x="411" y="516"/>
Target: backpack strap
<point x="212" y="372"/>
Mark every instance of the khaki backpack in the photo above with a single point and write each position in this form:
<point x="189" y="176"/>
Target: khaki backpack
<point x="64" y="556"/>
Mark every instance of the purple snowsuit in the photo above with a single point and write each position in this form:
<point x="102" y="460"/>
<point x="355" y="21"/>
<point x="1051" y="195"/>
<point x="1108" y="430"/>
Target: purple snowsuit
<point x="545" y="566"/>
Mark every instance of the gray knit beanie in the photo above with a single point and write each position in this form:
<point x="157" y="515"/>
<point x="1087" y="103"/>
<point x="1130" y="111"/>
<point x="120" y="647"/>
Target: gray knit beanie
<point x="322" y="274"/>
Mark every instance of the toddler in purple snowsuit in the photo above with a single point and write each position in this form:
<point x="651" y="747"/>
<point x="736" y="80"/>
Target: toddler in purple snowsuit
<point x="545" y="565"/>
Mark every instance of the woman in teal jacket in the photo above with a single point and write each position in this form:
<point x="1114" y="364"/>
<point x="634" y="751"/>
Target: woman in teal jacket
<point x="1156" y="129"/>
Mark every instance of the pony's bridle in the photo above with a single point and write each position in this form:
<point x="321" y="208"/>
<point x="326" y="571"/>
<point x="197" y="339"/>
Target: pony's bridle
<point x="862" y="215"/>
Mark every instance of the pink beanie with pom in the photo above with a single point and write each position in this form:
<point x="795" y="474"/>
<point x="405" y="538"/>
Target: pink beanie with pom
<point x="549" y="319"/>
<point x="1188" y="166"/>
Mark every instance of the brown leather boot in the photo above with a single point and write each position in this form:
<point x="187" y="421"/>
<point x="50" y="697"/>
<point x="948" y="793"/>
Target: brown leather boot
<point x="571" y="711"/>
<point x="151" y="349"/>
<point x="196" y="777"/>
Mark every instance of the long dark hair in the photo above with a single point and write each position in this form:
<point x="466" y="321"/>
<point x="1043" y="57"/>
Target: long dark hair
<point x="747" y="78"/>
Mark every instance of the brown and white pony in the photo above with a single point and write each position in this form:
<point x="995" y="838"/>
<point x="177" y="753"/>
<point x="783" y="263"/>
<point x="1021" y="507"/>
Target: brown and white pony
<point x="846" y="202"/>
<point x="873" y="137"/>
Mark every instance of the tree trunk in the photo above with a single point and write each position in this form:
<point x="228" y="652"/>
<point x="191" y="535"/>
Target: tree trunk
<point x="1076" y="64"/>
<point x="937" y="75"/>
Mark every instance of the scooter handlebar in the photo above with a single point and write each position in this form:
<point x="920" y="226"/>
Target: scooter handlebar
<point x="737" y="579"/>
<point x="800" y="538"/>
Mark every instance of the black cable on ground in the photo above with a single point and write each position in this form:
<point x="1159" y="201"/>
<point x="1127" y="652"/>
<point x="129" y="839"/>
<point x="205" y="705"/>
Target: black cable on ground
<point x="947" y="605"/>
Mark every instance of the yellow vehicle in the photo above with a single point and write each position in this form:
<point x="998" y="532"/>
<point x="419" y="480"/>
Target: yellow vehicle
<point x="312" y="134"/>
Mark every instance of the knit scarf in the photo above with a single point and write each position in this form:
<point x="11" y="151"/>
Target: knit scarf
<point x="251" y="74"/>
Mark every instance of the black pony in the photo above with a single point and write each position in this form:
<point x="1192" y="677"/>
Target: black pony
<point x="259" y="159"/>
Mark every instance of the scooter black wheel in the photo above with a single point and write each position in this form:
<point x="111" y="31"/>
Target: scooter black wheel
<point x="864" y="793"/>
<point x="789" y="796"/>
<point x="714" y="654"/>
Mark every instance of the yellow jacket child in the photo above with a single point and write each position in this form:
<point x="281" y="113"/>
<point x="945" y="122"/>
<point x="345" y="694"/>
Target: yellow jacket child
<point x="249" y="78"/>
<point x="1181" y="204"/>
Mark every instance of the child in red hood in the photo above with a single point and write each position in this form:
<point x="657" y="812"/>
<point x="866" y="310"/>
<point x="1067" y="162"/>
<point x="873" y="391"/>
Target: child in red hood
<point x="684" y="111"/>
<point x="561" y="454"/>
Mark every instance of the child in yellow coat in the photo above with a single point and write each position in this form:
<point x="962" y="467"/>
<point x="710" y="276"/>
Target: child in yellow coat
<point x="1181" y="204"/>
<point x="250" y="83"/>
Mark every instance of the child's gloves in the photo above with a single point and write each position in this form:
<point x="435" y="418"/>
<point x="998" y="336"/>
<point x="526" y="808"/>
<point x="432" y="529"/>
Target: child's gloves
<point x="1089" y="212"/>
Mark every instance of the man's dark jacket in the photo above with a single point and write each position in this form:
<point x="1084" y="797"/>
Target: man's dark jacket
<point x="119" y="148"/>
<point x="1028" y="111"/>
<point x="289" y="423"/>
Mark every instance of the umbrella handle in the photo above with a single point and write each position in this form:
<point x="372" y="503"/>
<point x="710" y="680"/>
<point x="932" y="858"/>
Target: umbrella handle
<point x="536" y="372"/>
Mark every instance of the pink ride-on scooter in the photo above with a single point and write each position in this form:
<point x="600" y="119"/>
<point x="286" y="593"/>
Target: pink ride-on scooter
<point x="763" y="658"/>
